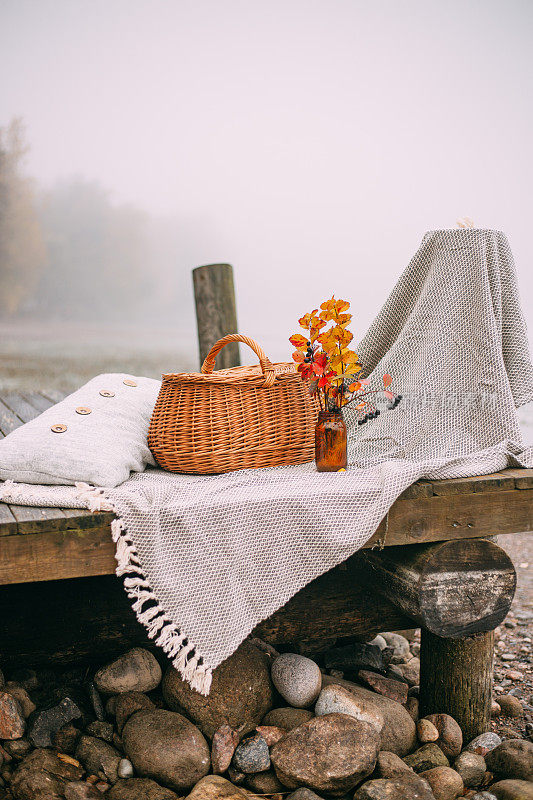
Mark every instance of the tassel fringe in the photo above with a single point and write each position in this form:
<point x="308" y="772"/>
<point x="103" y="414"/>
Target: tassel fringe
<point x="179" y="648"/>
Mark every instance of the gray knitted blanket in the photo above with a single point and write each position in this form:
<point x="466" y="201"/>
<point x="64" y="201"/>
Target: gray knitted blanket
<point x="205" y="559"/>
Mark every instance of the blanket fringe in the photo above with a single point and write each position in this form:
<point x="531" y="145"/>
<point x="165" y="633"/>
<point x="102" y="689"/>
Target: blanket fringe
<point x="182" y="652"/>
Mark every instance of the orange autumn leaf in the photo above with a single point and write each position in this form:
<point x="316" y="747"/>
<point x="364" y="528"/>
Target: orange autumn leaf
<point x="387" y="380"/>
<point x="354" y="387"/>
<point x="299" y="341"/>
<point x="298" y="357"/>
<point x="305" y="321"/>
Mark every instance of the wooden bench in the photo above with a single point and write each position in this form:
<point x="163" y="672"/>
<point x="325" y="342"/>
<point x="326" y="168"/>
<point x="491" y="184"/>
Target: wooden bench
<point x="428" y="564"/>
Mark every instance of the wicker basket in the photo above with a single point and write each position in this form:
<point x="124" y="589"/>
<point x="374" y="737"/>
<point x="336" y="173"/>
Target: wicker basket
<point x="239" y="418"/>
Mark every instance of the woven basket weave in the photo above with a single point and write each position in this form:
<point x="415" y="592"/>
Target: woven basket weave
<point x="239" y="418"/>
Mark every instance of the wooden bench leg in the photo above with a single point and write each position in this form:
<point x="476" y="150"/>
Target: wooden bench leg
<point x="456" y="679"/>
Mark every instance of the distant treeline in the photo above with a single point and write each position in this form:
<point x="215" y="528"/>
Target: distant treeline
<point x="71" y="253"/>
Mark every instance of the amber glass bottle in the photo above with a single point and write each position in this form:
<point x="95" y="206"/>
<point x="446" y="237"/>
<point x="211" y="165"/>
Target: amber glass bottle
<point x="330" y="441"/>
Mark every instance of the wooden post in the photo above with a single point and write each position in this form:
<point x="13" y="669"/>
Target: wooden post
<point x="216" y="314"/>
<point x="453" y="589"/>
<point x="456" y="679"/>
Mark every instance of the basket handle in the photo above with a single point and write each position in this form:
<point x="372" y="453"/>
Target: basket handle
<point x="266" y="364"/>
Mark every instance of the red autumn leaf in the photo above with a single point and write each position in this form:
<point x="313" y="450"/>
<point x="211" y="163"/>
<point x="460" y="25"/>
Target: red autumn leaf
<point x="387" y="379"/>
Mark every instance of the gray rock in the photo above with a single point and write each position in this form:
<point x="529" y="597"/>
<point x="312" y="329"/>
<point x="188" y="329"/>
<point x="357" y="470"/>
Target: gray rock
<point x="379" y="641"/>
<point x="135" y="671"/>
<point x="139" y="789"/>
<point x="102" y="730"/>
<point x="410" y="671"/>
<point x="403" y="787"/>
<point x="512" y="758"/>
<point x="484" y="743"/>
<point x="240" y="695"/>
<point x="339" y="752"/>
<point x="426" y="757"/>
<point x="471" y="767"/>
<point x="42" y="776"/>
<point x="45" y="723"/>
<point x="79" y="790"/>
<point x="297" y="679"/>
<point x="335" y="699"/>
<point x="287" y="718"/>
<point x="125" y="768"/>
<point x="352" y="657"/>
<point x="252" y="755"/>
<point x="483" y="796"/>
<point x="398" y="734"/>
<point x="399" y="643"/>
<point x="98" y="757"/>
<point x="166" y="747"/>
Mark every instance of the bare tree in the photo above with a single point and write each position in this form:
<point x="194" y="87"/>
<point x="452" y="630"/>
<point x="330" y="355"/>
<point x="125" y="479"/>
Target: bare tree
<point x="22" y="252"/>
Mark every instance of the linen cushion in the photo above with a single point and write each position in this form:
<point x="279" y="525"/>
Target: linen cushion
<point x="103" y="441"/>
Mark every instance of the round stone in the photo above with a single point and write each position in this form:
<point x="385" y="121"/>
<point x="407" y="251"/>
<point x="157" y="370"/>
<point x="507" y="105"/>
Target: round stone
<point x="471" y="767"/>
<point x="125" y="768"/>
<point x="510" y="706"/>
<point x="252" y="755"/>
<point x="135" y="671"/>
<point x="445" y="782"/>
<point x="297" y="678"/>
<point x="450" y="738"/>
<point x="426" y="731"/>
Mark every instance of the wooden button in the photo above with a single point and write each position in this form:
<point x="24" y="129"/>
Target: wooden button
<point x="58" y="428"/>
<point x="105" y="393"/>
<point x="127" y="382"/>
<point x="83" y="410"/>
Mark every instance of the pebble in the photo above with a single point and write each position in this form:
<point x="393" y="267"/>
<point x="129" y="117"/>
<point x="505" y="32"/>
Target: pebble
<point x="484" y="743"/>
<point x="125" y="768"/>
<point x="166" y="747"/>
<point x="214" y="787"/>
<point x="271" y="734"/>
<point x="510" y="706"/>
<point x="483" y="796"/>
<point x="426" y="757"/>
<point x="240" y="695"/>
<point x="102" y="730"/>
<point x="139" y="789"/>
<point x="495" y="709"/>
<point x="303" y="794"/>
<point x="445" y="782"/>
<point x="514" y="675"/>
<point x="389" y="765"/>
<point x="403" y="787"/>
<point x="19" y="693"/>
<point x="471" y="767"/>
<point x="252" y="755"/>
<point x="225" y="740"/>
<point x="352" y="657"/>
<point x="379" y="641"/>
<point x="46" y="722"/>
<point x="450" y="738"/>
<point x="396" y="690"/>
<point x="399" y="643"/>
<point x="412" y="707"/>
<point x="512" y="758"/>
<point x="339" y="752"/>
<point x="127" y="704"/>
<point x="134" y="671"/>
<point x="98" y="757"/>
<point x="43" y="774"/>
<point x="12" y="724"/>
<point x="287" y="718"/>
<point x="79" y="790"/>
<point x="96" y="702"/>
<point x="264" y="783"/>
<point x="18" y="748"/>
<point x="411" y="671"/>
<point x="426" y="731"/>
<point x="398" y="730"/>
<point x="513" y="790"/>
<point x="298" y="679"/>
<point x="66" y="738"/>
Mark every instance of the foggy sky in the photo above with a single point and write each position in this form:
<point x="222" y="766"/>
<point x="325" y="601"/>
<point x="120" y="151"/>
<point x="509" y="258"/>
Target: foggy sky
<point x="310" y="143"/>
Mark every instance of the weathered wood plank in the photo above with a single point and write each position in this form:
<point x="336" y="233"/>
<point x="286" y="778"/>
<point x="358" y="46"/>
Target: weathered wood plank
<point x="20" y="406"/>
<point x="37" y="401"/>
<point x="55" y="395"/>
<point x="56" y="555"/>
<point x="439" y="518"/>
<point x="523" y="478"/>
<point x="8" y="523"/>
<point x="31" y="520"/>
<point x="496" y="482"/>
<point x="8" y="419"/>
